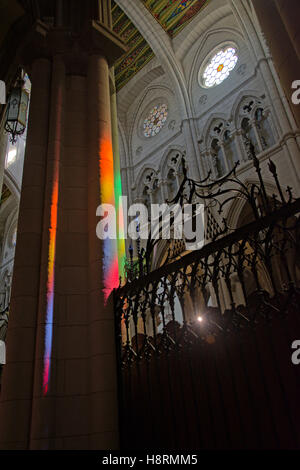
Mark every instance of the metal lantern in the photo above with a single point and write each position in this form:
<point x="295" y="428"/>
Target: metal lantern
<point x="16" y="112"/>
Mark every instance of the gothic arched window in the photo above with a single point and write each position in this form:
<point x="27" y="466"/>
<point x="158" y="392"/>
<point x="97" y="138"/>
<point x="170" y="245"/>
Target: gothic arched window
<point x="150" y="188"/>
<point x="174" y="173"/>
<point x="256" y="127"/>
<point x="221" y="147"/>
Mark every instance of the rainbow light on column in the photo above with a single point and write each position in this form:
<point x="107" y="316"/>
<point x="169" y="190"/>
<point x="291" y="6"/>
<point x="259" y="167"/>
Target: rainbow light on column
<point x="51" y="280"/>
<point x="107" y="196"/>
<point x="118" y="188"/>
<point x="120" y="215"/>
<point x="52" y="250"/>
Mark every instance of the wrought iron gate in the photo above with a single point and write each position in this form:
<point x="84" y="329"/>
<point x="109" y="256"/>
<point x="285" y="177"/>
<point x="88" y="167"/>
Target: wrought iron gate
<point x="204" y="342"/>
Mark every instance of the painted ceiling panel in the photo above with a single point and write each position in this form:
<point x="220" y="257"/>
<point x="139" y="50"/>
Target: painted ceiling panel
<point x="139" y="52"/>
<point x="172" y="15"/>
<point x="5" y="194"/>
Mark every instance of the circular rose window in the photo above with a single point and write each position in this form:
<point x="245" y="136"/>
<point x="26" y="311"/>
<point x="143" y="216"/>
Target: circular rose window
<point x="219" y="66"/>
<point x="156" y="120"/>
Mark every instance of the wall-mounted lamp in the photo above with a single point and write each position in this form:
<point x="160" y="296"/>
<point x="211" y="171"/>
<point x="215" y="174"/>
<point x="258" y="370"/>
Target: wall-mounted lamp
<point x="16" y="111"/>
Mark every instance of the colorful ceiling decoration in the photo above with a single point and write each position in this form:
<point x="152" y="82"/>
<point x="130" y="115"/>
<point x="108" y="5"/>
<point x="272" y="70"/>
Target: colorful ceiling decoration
<point x="5" y="194"/>
<point x="174" y="15"/>
<point x="139" y="52"/>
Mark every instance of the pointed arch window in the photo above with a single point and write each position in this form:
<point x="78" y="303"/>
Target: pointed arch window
<point x="257" y="131"/>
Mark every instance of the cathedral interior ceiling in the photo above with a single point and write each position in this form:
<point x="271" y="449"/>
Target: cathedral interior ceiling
<point x="172" y="15"/>
<point x="139" y="52"/>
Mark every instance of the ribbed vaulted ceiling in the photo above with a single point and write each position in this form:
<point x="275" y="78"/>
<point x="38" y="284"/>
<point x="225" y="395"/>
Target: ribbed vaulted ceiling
<point x="172" y="15"/>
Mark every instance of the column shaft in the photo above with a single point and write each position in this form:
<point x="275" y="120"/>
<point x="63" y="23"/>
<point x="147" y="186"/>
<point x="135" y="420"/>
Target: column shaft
<point x="17" y="388"/>
<point x="117" y="183"/>
<point x="290" y="11"/>
<point x="44" y="393"/>
<point x="103" y="261"/>
<point x="279" y="42"/>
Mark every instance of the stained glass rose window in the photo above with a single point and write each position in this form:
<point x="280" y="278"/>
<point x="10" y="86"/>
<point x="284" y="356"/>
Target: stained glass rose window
<point x="156" y="120"/>
<point x="219" y="66"/>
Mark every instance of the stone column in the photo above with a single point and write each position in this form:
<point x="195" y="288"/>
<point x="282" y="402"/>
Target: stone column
<point x="150" y="192"/>
<point x="164" y="190"/>
<point x="44" y="390"/>
<point x="121" y="216"/>
<point x="102" y="259"/>
<point x="204" y="162"/>
<point x="289" y="11"/>
<point x="240" y="146"/>
<point x="60" y="383"/>
<point x="227" y="169"/>
<point x="105" y="12"/>
<point x="254" y="126"/>
<point x="18" y="377"/>
<point x="279" y="41"/>
<point x="210" y="162"/>
<point x="278" y="97"/>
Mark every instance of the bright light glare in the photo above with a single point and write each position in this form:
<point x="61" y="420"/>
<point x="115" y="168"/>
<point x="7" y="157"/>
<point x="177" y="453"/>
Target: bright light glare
<point x="11" y="156"/>
<point x="200" y="319"/>
<point x="219" y="67"/>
